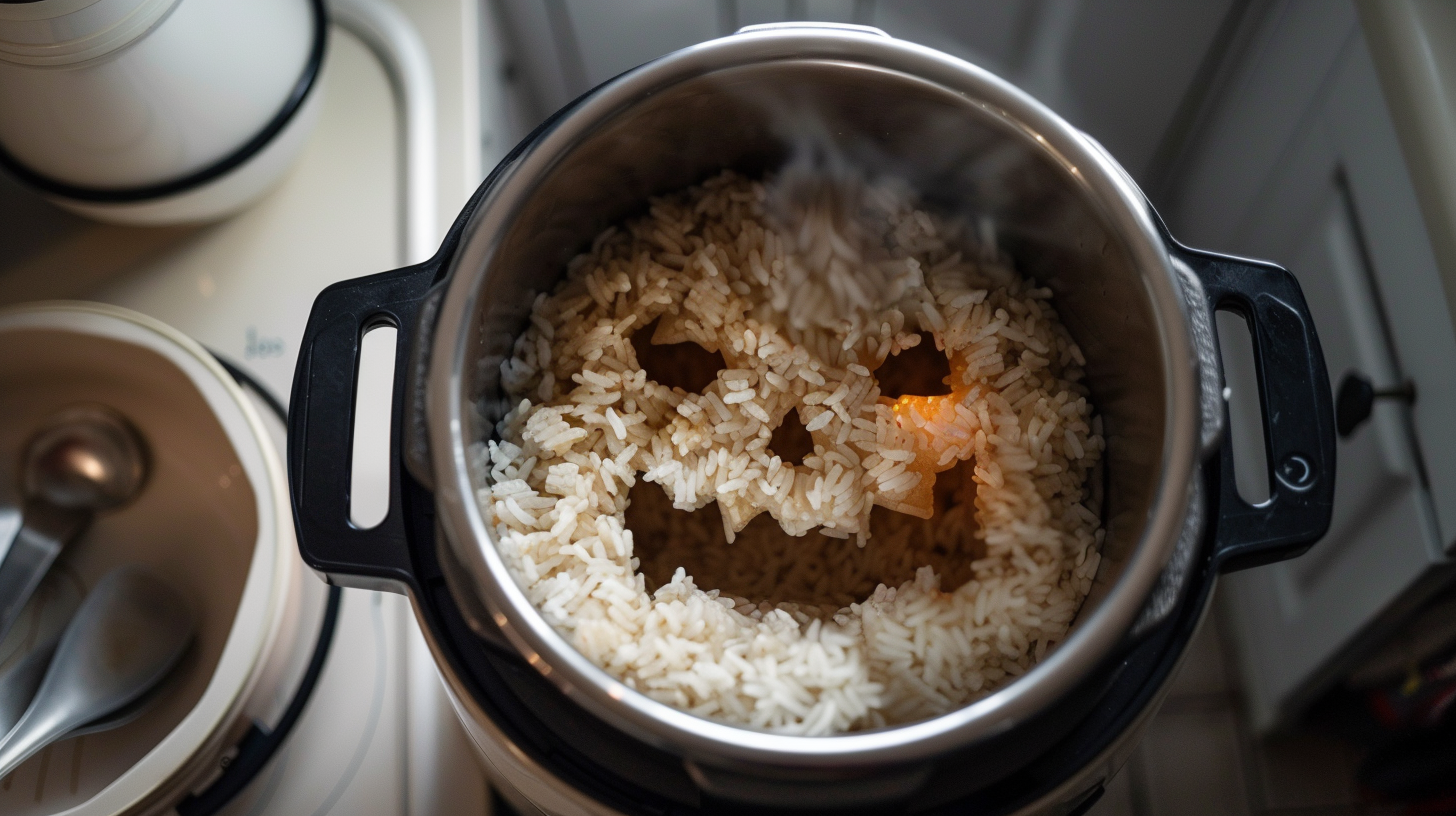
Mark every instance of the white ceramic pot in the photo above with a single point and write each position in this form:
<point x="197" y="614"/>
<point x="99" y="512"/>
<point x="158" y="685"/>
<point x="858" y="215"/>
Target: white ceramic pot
<point x="212" y="520"/>
<point x="156" y="111"/>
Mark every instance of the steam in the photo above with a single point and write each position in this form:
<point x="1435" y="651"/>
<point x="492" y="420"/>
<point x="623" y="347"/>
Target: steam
<point x="839" y="207"/>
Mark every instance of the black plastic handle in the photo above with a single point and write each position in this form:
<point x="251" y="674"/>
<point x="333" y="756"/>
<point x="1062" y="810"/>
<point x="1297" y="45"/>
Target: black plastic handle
<point x="321" y="428"/>
<point x="321" y="415"/>
<point x="1298" y="414"/>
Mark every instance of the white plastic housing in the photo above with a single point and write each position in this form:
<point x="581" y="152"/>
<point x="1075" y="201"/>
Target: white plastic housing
<point x="118" y="94"/>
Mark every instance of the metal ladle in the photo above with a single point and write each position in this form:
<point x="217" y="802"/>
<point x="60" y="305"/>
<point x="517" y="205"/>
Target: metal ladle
<point x="84" y="460"/>
<point x="128" y="634"/>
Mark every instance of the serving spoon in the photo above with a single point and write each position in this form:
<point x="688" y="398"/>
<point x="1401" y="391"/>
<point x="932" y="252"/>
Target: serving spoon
<point x="19" y="682"/>
<point x="128" y="634"/>
<point x="84" y="460"/>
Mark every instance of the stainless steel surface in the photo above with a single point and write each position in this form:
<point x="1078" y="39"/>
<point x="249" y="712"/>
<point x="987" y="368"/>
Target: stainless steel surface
<point x="44" y="531"/>
<point x="971" y="143"/>
<point x="19" y="682"/>
<point x="527" y="784"/>
<point x="9" y="526"/>
<point x="85" y="459"/>
<point x="126" y="715"/>
<point x="130" y="631"/>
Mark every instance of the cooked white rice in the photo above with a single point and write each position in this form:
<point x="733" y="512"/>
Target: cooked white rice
<point x="805" y="289"/>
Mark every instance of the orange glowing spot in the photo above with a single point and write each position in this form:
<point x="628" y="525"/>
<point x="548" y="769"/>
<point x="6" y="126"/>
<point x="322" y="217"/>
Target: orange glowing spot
<point x="920" y="501"/>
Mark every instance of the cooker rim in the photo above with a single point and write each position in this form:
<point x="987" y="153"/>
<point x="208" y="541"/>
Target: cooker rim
<point x="1095" y="637"/>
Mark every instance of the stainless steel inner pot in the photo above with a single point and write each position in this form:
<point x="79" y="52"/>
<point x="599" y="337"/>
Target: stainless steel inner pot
<point x="970" y="143"/>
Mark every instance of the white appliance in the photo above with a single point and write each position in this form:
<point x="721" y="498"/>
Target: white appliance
<point x="211" y="520"/>
<point x="157" y="111"/>
<point x="378" y="738"/>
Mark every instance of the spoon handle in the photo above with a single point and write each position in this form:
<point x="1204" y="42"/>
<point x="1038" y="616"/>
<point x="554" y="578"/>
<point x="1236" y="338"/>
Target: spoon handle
<point x="9" y="528"/>
<point x="29" y="735"/>
<point x="19" y="683"/>
<point x="45" y="529"/>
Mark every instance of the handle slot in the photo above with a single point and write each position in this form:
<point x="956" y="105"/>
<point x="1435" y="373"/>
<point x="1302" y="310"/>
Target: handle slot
<point x="1245" y="410"/>
<point x="373" y="399"/>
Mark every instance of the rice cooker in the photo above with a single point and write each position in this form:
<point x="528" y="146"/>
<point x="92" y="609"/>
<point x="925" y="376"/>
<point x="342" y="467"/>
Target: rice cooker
<point x="566" y="737"/>
<point x="211" y="520"/>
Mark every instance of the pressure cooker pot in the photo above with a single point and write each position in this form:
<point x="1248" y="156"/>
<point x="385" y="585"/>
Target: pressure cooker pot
<point x="571" y="738"/>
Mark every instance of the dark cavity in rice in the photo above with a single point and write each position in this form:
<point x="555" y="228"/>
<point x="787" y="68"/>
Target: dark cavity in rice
<point x="765" y="567"/>
<point x="687" y="366"/>
<point x="790" y="440"/>
<point x="921" y="371"/>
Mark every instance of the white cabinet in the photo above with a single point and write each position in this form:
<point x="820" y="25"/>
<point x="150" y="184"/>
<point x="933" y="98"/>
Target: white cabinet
<point x="1300" y="165"/>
